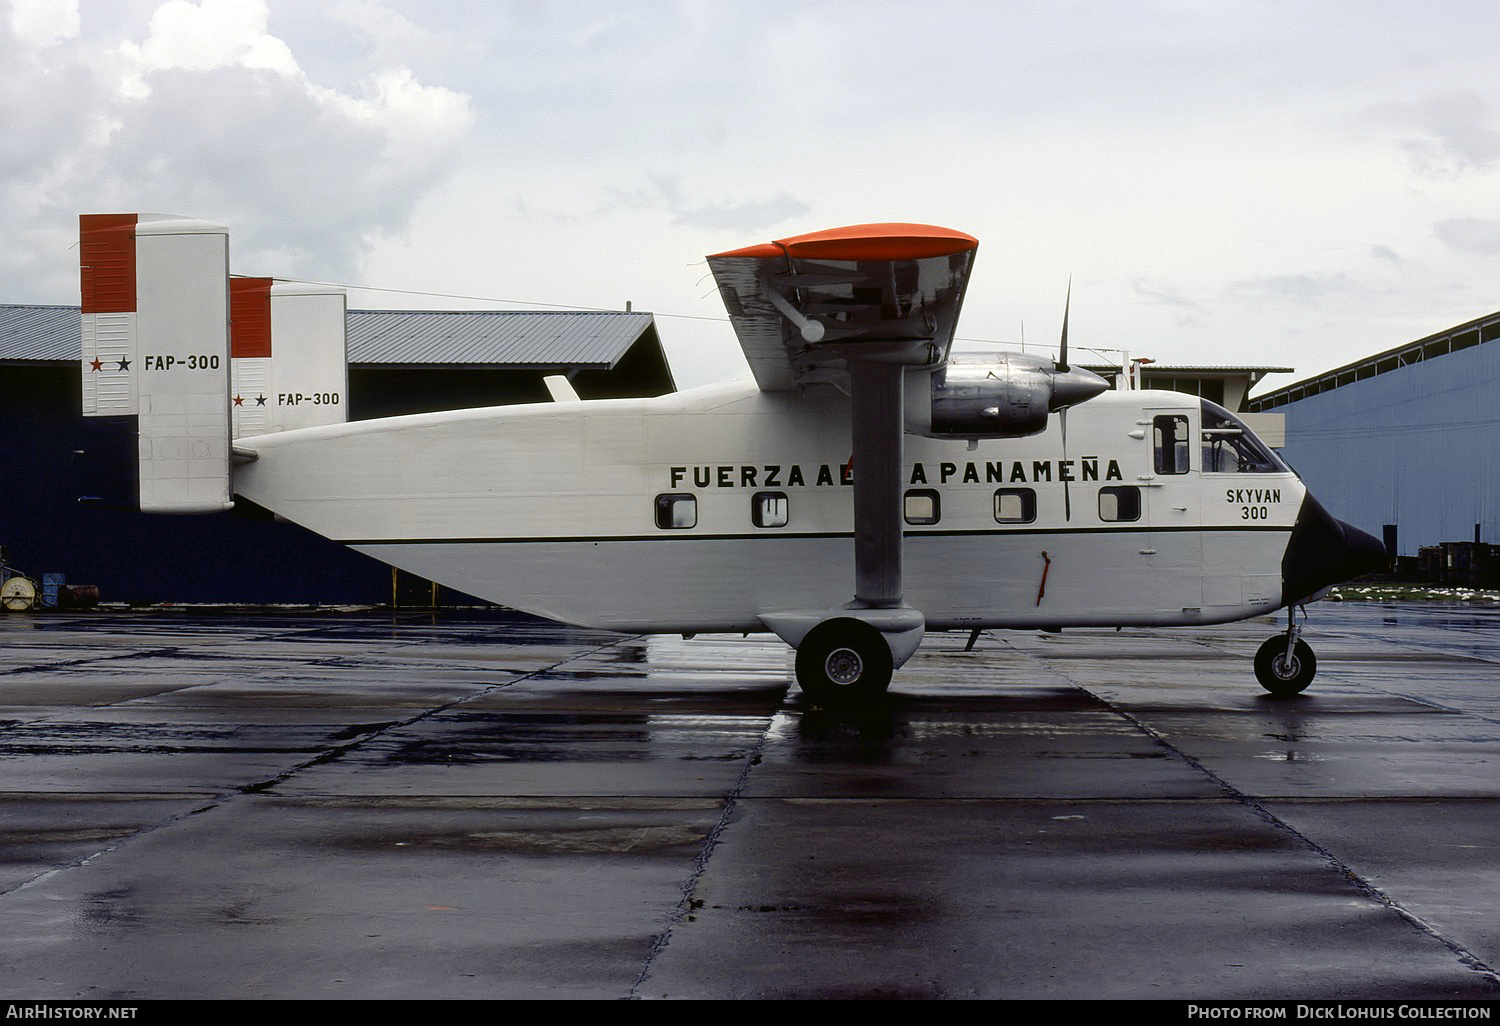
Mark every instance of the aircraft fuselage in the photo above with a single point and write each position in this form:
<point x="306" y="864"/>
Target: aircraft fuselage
<point x="706" y="510"/>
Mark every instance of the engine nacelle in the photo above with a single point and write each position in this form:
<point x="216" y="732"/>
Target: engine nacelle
<point x="1008" y="395"/>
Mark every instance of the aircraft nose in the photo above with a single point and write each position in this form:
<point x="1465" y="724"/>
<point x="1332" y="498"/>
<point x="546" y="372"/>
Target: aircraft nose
<point x="1075" y="385"/>
<point x="1324" y="551"/>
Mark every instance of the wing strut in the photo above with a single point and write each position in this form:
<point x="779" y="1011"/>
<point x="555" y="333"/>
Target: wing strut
<point x="876" y="391"/>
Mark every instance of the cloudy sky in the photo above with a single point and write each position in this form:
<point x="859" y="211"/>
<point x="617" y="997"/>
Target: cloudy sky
<point x="1272" y="183"/>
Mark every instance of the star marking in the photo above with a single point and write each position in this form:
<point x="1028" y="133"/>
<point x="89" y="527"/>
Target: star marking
<point x="124" y="364"/>
<point x="260" y="400"/>
<point x="238" y="401"/>
<point x="96" y="364"/>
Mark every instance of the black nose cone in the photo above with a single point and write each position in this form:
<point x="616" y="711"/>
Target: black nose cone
<point x="1324" y="551"/>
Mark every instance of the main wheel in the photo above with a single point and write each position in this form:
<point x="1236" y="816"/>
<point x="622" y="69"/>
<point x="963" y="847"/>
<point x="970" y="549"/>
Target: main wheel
<point x="844" y="660"/>
<point x="1282" y="676"/>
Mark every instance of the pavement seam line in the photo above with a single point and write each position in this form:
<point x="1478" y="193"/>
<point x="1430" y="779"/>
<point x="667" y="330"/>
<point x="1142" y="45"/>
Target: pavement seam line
<point x="339" y="750"/>
<point x="1465" y="957"/>
<point x="700" y="862"/>
<point x="168" y="650"/>
<point x="259" y="787"/>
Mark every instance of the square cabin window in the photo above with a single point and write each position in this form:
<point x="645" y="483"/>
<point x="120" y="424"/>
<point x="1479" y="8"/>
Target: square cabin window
<point x="1120" y="504"/>
<point x="921" y="506"/>
<point x="769" y="509"/>
<point x="676" y="512"/>
<point x="1015" y="505"/>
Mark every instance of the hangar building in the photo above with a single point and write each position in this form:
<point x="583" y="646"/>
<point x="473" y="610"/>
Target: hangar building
<point x="400" y="362"/>
<point x="1404" y="444"/>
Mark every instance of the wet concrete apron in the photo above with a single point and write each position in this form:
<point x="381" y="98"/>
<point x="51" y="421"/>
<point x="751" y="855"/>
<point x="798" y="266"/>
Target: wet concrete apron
<point x="372" y="806"/>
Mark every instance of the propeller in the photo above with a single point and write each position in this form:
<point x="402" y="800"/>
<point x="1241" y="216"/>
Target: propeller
<point x="1061" y="367"/>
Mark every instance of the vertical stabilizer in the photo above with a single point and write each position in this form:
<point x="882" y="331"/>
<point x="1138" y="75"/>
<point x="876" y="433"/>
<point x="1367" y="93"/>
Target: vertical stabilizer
<point x="155" y="308"/>
<point x="289" y="356"/>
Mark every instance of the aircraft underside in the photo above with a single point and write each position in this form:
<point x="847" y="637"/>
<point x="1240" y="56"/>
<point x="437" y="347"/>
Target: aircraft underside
<point x="687" y="585"/>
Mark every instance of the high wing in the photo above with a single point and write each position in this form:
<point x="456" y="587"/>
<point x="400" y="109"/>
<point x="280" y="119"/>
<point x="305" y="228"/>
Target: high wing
<point x="858" y="306"/>
<point x="803" y="307"/>
<point x="873" y="308"/>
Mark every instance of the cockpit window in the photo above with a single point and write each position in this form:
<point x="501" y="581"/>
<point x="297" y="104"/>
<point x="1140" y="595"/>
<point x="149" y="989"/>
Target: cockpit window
<point x="1229" y="447"/>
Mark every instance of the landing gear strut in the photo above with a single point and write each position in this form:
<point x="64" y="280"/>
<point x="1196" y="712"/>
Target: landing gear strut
<point x="1285" y="664"/>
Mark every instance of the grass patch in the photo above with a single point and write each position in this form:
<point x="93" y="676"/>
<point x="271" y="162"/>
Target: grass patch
<point x="1396" y="592"/>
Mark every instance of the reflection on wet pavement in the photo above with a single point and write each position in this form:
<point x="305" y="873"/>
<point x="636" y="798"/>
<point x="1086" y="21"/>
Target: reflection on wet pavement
<point x="487" y="805"/>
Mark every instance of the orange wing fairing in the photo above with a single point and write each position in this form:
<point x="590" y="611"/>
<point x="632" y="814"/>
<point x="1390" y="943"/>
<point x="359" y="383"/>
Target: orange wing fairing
<point x="885" y="241"/>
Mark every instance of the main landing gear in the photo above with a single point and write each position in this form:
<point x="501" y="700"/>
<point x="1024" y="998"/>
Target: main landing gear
<point x="844" y="661"/>
<point x="1285" y="664"/>
<point x="845" y="656"/>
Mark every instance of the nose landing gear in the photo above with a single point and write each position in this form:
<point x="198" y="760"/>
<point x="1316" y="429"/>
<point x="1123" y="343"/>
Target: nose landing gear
<point x="1285" y="664"/>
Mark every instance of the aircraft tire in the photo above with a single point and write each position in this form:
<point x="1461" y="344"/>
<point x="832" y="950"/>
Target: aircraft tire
<point x="1280" y="676"/>
<point x="844" y="661"/>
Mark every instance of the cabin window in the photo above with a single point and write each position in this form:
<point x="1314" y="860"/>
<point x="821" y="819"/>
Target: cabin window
<point x="1120" y="503"/>
<point x="1229" y="447"/>
<point x="1015" y="505"/>
<point x="1171" y="434"/>
<point x="769" y="509"/>
<point x="921" y="506"/>
<point x="676" y="511"/>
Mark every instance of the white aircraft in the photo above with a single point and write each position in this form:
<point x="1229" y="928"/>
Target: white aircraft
<point x="865" y="488"/>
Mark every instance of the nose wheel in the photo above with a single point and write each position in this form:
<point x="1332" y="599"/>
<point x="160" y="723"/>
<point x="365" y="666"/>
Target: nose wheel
<point x="1285" y="664"/>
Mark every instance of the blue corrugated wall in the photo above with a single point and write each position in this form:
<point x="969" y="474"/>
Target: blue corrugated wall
<point x="136" y="557"/>
<point x="1418" y="447"/>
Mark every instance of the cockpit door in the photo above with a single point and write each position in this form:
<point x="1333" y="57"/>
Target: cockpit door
<point x="1172" y="501"/>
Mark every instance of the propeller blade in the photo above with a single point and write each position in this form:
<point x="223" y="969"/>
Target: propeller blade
<point x="1062" y="416"/>
<point x="1062" y="355"/>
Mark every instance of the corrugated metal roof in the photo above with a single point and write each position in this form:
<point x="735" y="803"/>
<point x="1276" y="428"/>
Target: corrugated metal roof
<point x="40" y="333"/>
<point x="1179" y="369"/>
<point x="1479" y="331"/>
<point x="492" y="338"/>
<point x="487" y="338"/>
<point x="1211" y="368"/>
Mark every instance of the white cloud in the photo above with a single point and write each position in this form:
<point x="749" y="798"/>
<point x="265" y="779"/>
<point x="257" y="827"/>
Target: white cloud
<point x="1167" y="296"/>
<point x="1456" y="132"/>
<point x="394" y="37"/>
<point x="206" y="35"/>
<point x="49" y="110"/>
<point x="665" y="193"/>
<point x="43" y="23"/>
<point x="416" y="121"/>
<point x="210" y="114"/>
<point x="1178" y="158"/>
<point x="1303" y="289"/>
<point x="1470" y="235"/>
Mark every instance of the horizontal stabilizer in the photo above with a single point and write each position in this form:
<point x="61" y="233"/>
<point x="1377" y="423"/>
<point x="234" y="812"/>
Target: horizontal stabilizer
<point x="560" y="388"/>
